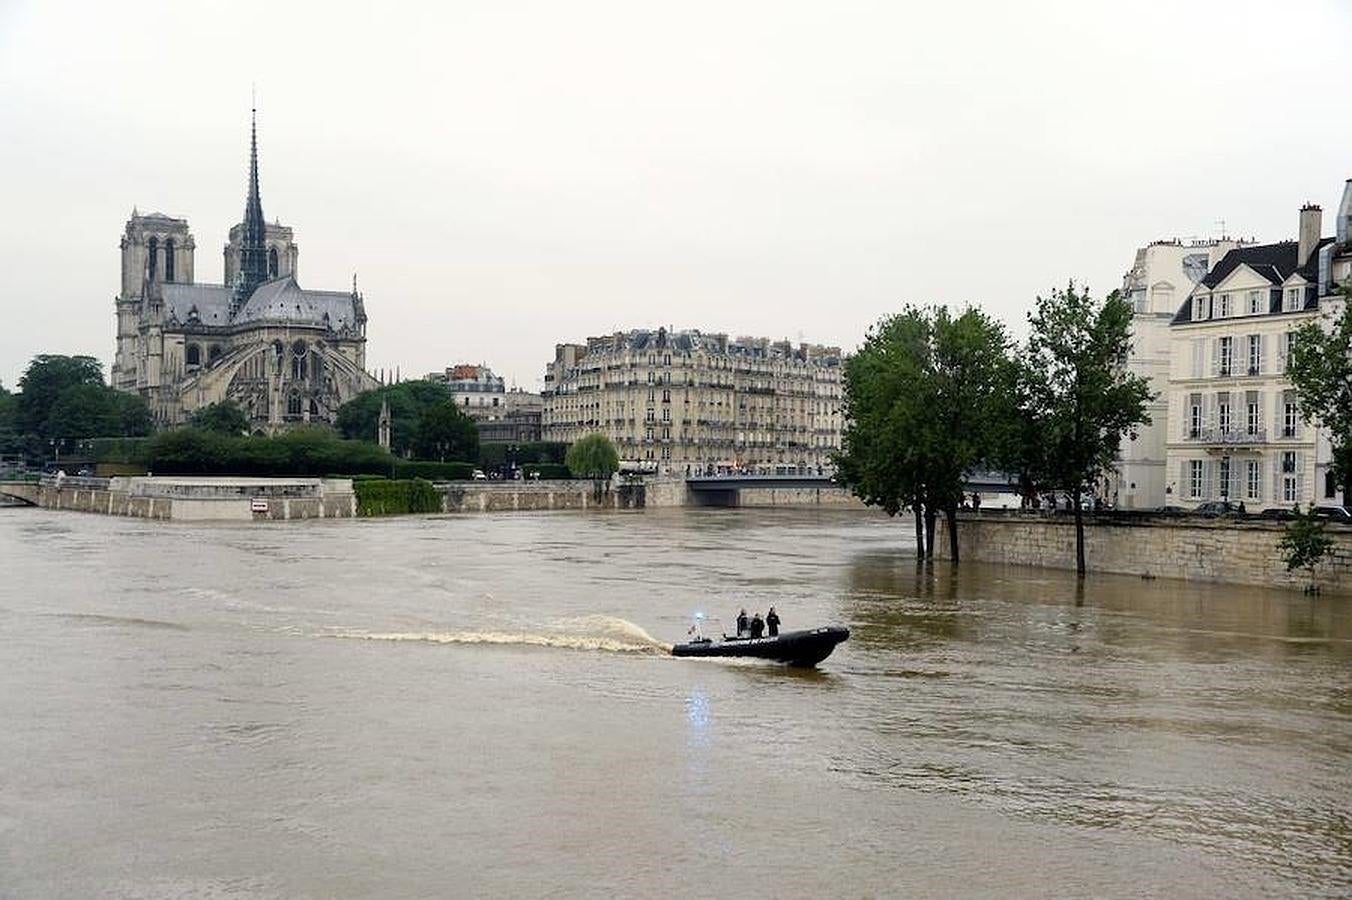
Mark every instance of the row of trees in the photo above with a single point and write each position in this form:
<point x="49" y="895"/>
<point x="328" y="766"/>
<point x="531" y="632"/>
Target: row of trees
<point x="62" y="399"/>
<point x="424" y="421"/>
<point x="932" y="397"/>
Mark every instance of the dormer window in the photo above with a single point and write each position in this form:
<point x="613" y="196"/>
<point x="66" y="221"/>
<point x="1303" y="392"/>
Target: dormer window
<point x="1199" y="307"/>
<point x="1255" y="303"/>
<point x="1224" y="310"/>
<point x="1293" y="300"/>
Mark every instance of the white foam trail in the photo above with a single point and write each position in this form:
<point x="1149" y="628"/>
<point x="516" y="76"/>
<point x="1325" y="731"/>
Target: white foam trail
<point x="589" y="633"/>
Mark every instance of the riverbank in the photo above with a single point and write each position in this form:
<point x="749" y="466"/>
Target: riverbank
<point x="1230" y="551"/>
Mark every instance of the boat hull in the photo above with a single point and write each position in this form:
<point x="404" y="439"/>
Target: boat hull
<point x="802" y="649"/>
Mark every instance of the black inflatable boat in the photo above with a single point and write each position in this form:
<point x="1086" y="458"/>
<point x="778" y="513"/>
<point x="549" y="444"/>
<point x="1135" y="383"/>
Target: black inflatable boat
<point x="795" y="648"/>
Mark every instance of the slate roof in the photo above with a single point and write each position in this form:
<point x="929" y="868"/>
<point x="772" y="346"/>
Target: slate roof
<point x="1274" y="262"/>
<point x="279" y="300"/>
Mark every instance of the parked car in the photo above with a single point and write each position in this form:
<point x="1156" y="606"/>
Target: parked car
<point x="1213" y="508"/>
<point x="1277" y="513"/>
<point x="478" y="475"/>
<point x="1334" y="513"/>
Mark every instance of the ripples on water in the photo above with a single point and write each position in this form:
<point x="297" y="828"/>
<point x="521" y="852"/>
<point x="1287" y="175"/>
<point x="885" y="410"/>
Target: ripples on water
<point x="483" y="705"/>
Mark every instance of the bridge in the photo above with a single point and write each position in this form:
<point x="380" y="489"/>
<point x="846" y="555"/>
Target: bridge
<point x="25" y="492"/>
<point x="730" y="490"/>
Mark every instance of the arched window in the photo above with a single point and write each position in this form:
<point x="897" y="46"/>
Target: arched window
<point x="169" y="260"/>
<point x="272" y="263"/>
<point x="214" y="353"/>
<point x="193" y="355"/>
<point x="293" y="406"/>
<point x="314" y="410"/>
<point x="152" y="251"/>
<point x="298" y="368"/>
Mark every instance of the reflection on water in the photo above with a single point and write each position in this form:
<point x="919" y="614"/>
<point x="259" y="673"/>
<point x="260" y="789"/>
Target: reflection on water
<point x="482" y="705"/>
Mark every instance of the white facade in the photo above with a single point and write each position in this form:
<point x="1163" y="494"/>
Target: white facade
<point x="1164" y="273"/>
<point x="1234" y="429"/>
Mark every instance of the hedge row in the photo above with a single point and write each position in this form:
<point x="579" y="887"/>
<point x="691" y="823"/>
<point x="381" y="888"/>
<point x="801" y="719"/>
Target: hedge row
<point x="547" y="471"/>
<point x="433" y="471"/>
<point x="392" y="498"/>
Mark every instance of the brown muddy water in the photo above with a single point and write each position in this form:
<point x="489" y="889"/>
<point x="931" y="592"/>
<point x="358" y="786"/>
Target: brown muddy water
<point x="480" y="706"/>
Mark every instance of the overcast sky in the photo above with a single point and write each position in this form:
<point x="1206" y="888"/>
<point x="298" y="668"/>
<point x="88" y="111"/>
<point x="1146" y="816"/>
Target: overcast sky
<point x="504" y="176"/>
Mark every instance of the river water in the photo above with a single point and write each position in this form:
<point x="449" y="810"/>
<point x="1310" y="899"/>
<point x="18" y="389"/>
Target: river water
<point x="479" y="706"/>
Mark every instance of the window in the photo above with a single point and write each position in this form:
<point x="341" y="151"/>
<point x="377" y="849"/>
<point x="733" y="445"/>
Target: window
<point x="651" y="416"/>
<point x="1253" y="480"/>
<point x="1255" y="303"/>
<point x="1223" y="412"/>
<point x="1253" y="419"/>
<point x="651" y="377"/>
<point x="666" y="414"/>
<point x="1199" y="304"/>
<point x="1330" y="486"/>
<point x="1195" y="478"/>
<point x="1290" y="417"/>
<point x="272" y="263"/>
<point x="666" y="396"/>
<point x="193" y="355"/>
<point x="1225" y="478"/>
<point x="293" y="406"/>
<point x="1255" y="354"/>
<point x="1293" y="300"/>
<point x="1224" y="311"/>
<point x="1225" y="356"/>
<point x="1290" y="478"/>
<point x="169" y="260"/>
<point x="1283" y="350"/>
<point x="152" y="258"/>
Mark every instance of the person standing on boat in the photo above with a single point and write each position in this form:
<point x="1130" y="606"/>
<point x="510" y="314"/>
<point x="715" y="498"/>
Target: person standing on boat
<point x="772" y="622"/>
<point x="741" y="624"/>
<point x="757" y="625"/>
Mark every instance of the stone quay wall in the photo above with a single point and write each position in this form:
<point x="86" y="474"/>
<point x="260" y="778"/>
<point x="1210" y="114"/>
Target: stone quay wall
<point x="535" y="496"/>
<point x="197" y="499"/>
<point x="1219" y="550"/>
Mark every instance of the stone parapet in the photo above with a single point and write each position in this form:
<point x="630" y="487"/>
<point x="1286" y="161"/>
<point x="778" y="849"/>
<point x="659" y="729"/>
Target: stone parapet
<point x="1219" y="550"/>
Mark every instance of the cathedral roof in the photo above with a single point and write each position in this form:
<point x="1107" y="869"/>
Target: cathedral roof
<point x="280" y="301"/>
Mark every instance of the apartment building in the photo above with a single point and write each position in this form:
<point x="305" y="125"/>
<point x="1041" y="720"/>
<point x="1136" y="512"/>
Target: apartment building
<point x="1164" y="272"/>
<point x="1235" y="430"/>
<point x="686" y="401"/>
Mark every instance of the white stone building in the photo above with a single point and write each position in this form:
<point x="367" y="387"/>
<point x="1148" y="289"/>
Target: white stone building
<point x="1163" y="274"/>
<point x="678" y="401"/>
<point x="1234" y="427"/>
<point x="286" y="355"/>
<point x="503" y="415"/>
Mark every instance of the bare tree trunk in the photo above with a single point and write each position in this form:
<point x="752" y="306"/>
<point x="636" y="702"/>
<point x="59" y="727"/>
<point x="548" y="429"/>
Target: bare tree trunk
<point x="929" y="531"/>
<point x="919" y="533"/>
<point x="951" y="514"/>
<point x="1079" y="535"/>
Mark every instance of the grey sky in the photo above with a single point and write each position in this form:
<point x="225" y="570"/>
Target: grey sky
<point x="507" y="175"/>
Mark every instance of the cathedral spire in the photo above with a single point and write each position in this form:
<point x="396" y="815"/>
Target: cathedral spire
<point x="253" y="251"/>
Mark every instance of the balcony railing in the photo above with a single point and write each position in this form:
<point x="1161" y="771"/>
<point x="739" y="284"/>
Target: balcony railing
<point x="1215" y="434"/>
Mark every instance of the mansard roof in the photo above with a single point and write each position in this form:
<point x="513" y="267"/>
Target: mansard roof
<point x="1273" y="262"/>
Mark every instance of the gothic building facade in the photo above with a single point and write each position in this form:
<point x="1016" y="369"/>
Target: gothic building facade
<point x="284" y="354"/>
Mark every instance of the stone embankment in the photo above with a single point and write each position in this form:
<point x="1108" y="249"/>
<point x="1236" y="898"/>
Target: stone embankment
<point x="1220" y="550"/>
<point x="193" y="499"/>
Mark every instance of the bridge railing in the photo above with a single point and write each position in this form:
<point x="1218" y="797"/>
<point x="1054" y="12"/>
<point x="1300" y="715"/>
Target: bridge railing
<point x="74" y="482"/>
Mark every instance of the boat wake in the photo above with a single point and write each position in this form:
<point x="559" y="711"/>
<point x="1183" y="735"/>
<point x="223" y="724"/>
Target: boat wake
<point x="604" y="633"/>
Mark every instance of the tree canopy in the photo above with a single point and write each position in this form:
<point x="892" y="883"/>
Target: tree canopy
<point x="444" y="432"/>
<point x="409" y="401"/>
<point x="224" y="417"/>
<point x="927" y="401"/>
<point x="63" y="398"/>
<point x="593" y="456"/>
<point x="1319" y="365"/>
<point x="1080" y="399"/>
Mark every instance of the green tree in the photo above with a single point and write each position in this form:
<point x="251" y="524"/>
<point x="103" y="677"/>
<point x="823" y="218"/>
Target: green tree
<point x="44" y="381"/>
<point x="1081" y="398"/>
<point x="1304" y="544"/>
<point x="359" y="418"/>
<point x="444" y="432"/>
<point x="11" y="440"/>
<point x="927" y="401"/>
<point x="224" y="417"/>
<point x="594" y="457"/>
<point x="1319" y="365"/>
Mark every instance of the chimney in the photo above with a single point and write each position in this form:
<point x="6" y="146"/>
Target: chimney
<point x="1311" y="220"/>
<point x="1343" y="225"/>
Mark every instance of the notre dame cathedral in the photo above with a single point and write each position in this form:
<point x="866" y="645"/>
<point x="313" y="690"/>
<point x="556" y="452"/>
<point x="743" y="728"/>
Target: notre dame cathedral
<point x="285" y="355"/>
